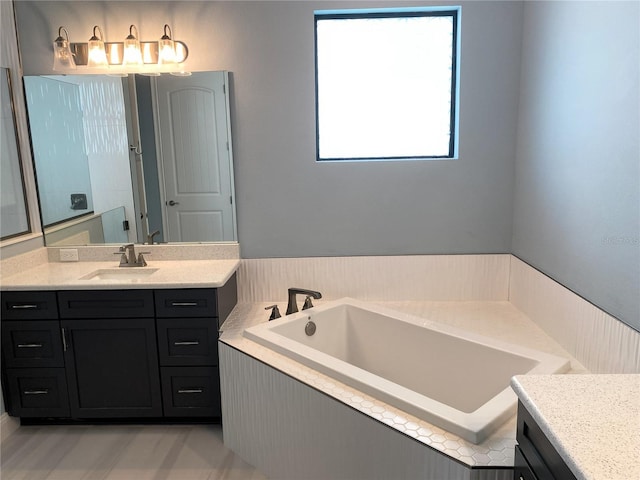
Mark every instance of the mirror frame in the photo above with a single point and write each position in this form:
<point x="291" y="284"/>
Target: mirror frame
<point x="6" y="76"/>
<point x="74" y="220"/>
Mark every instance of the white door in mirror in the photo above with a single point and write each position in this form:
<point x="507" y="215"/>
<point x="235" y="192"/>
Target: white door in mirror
<point x="195" y="145"/>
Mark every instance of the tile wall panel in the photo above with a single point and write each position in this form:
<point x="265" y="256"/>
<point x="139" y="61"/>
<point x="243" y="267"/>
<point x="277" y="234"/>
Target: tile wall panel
<point x="599" y="341"/>
<point x="427" y="277"/>
<point x="291" y="431"/>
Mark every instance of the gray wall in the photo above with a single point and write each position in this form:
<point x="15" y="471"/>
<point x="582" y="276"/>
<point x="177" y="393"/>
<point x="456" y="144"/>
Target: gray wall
<point x="577" y="207"/>
<point x="573" y="201"/>
<point x="288" y="205"/>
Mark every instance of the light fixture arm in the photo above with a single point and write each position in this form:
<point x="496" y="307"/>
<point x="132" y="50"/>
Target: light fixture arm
<point x="66" y="35"/>
<point x="166" y="36"/>
<point x="94" y="38"/>
<point x="131" y="36"/>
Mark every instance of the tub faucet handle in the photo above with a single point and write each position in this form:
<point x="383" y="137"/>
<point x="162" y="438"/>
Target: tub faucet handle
<point x="307" y="303"/>
<point x="275" y="313"/>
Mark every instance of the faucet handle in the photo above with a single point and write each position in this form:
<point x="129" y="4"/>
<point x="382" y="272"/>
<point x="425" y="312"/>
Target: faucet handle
<point x="123" y="257"/>
<point x="141" y="261"/>
<point x="275" y="313"/>
<point x="307" y="303"/>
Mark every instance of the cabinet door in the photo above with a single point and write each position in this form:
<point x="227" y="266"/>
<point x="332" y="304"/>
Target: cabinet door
<point x="112" y="368"/>
<point x="521" y="469"/>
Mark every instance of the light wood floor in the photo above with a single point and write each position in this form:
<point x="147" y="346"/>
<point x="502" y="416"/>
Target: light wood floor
<point x="121" y="452"/>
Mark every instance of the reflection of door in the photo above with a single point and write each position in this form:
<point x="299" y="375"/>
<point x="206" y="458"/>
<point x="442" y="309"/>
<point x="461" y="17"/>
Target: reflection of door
<point x="195" y="157"/>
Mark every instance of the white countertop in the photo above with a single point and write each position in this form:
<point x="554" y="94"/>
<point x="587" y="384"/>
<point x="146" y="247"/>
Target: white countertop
<point x="593" y="421"/>
<point x="169" y="274"/>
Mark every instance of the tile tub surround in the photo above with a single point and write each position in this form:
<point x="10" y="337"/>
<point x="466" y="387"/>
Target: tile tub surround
<point x="384" y="278"/>
<point x="602" y="343"/>
<point x="599" y="341"/>
<point x="497" y="319"/>
<point x="592" y="420"/>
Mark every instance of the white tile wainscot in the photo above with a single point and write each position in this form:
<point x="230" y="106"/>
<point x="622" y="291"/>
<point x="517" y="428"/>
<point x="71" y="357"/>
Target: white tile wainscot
<point x="385" y="278"/>
<point x="599" y="341"/>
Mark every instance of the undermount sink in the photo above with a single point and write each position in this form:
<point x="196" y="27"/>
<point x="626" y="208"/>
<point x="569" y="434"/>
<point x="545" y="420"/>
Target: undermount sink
<point x="122" y="274"/>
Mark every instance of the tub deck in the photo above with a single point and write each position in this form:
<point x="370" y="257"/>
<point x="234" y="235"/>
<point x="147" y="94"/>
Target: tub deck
<point x="496" y="319"/>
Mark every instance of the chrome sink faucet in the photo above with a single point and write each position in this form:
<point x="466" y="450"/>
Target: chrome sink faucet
<point x="292" y="304"/>
<point x="128" y="256"/>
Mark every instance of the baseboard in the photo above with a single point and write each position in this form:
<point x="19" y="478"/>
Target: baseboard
<point x="8" y="425"/>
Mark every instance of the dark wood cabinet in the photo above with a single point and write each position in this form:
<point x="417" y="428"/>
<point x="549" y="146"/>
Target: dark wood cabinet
<point x="99" y="354"/>
<point x="188" y="324"/>
<point x="112" y="368"/>
<point x="535" y="456"/>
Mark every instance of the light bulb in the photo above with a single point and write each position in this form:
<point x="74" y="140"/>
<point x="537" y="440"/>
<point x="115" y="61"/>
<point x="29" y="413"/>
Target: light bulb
<point x="166" y="49"/>
<point x="132" y="54"/>
<point x="97" y="56"/>
<point x="62" y="56"/>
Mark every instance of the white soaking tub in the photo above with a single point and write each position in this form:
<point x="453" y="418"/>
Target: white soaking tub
<point x="454" y="379"/>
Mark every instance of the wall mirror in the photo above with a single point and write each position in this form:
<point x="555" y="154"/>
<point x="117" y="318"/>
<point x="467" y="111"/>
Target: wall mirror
<point x="14" y="220"/>
<point x="133" y="159"/>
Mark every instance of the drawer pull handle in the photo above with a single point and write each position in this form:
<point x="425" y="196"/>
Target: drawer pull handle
<point x="184" y="304"/>
<point x="195" y="342"/>
<point x="24" y="307"/>
<point x="29" y="345"/>
<point x="190" y="390"/>
<point x="36" y="392"/>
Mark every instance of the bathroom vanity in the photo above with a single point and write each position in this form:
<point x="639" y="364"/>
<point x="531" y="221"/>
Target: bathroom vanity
<point x="114" y="350"/>
<point x="582" y="427"/>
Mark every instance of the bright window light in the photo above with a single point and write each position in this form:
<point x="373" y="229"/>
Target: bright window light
<point x="385" y="85"/>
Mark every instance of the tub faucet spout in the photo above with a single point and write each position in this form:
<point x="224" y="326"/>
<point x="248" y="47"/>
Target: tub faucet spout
<point x="292" y="305"/>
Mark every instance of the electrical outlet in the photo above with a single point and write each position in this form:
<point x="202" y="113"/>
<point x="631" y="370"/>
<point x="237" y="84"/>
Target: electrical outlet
<point x="68" y="254"/>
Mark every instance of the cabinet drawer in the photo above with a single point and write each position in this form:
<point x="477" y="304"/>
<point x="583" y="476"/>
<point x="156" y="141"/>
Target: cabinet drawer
<point x="540" y="454"/>
<point x="32" y="344"/>
<point x="191" y="391"/>
<point x="198" y="302"/>
<point x="521" y="469"/>
<point x="37" y="392"/>
<point x="29" y="305"/>
<point x="106" y="304"/>
<point x="188" y="341"/>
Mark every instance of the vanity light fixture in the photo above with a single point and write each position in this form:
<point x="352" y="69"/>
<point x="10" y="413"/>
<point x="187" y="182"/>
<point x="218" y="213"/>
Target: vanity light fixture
<point x="166" y="48"/>
<point x="62" y="56"/>
<point x="97" y="55"/>
<point x="130" y="56"/>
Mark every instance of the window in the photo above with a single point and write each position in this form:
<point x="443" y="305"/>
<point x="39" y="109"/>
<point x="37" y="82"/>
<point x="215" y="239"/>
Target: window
<point x="386" y="84"/>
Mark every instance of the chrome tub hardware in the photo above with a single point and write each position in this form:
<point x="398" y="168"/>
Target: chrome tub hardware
<point x="292" y="305"/>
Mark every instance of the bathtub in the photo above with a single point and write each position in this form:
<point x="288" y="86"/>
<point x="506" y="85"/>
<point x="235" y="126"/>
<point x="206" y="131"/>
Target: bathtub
<point x="451" y="378"/>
